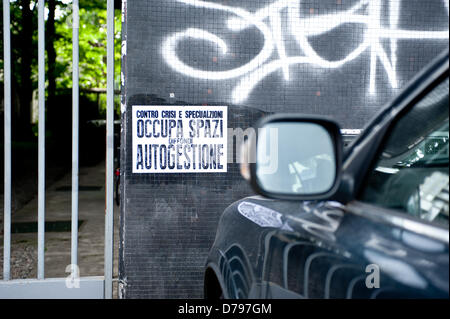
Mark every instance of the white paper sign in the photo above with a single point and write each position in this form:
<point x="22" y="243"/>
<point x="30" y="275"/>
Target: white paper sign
<point x="179" y="139"/>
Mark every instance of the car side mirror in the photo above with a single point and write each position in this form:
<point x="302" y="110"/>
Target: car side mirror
<point x="293" y="157"/>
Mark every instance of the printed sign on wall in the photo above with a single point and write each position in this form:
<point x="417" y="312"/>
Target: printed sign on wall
<point x="179" y="139"/>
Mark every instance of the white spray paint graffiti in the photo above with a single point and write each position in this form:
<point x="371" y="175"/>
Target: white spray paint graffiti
<point x="268" y="21"/>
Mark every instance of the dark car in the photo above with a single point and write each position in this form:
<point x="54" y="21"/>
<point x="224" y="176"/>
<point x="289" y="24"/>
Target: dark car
<point x="370" y="221"/>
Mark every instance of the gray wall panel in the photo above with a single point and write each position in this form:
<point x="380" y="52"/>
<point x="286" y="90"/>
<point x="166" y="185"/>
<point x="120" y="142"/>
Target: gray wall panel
<point x="168" y="221"/>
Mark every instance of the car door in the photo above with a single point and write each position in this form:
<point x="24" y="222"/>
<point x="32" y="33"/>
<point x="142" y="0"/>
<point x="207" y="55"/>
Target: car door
<point x="399" y="217"/>
<point x="404" y="199"/>
<point x="388" y="237"/>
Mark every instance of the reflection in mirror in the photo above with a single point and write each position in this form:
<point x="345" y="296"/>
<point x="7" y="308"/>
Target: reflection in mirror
<point x="295" y="158"/>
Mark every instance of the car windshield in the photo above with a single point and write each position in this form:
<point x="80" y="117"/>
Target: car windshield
<point x="423" y="127"/>
<point x="412" y="170"/>
<point x="432" y="151"/>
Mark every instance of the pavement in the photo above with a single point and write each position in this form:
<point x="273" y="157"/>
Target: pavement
<point x="58" y="244"/>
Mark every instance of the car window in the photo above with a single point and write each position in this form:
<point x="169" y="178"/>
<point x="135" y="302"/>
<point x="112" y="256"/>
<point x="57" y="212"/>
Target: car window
<point x="412" y="170"/>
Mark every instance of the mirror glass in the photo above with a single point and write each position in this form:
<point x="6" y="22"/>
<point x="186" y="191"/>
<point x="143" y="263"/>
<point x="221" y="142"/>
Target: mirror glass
<point x="295" y="158"/>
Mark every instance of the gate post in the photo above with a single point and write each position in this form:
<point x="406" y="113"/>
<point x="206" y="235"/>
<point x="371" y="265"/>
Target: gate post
<point x="109" y="152"/>
<point x="7" y="138"/>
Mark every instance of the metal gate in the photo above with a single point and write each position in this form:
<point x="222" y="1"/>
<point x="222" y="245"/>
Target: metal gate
<point x="85" y="287"/>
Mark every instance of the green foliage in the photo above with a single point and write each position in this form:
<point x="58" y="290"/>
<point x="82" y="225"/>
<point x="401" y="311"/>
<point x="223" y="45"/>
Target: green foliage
<point x="16" y="28"/>
<point x="92" y="46"/>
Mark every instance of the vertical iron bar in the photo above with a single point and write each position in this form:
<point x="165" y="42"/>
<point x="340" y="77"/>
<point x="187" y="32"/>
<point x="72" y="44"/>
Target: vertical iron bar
<point x="41" y="142"/>
<point x="7" y="140"/>
<point x="75" y="134"/>
<point x="109" y="211"/>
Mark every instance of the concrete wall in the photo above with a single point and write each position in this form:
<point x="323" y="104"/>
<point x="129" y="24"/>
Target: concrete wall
<point x="340" y="58"/>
